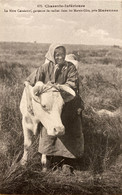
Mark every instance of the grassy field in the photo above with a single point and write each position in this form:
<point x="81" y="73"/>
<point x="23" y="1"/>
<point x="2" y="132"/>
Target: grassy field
<point x="100" y="169"/>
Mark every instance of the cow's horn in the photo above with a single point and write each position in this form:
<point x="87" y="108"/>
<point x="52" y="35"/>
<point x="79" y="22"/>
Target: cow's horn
<point x="38" y="88"/>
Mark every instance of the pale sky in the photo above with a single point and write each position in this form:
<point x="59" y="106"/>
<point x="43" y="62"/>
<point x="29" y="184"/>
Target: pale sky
<point x="91" y="28"/>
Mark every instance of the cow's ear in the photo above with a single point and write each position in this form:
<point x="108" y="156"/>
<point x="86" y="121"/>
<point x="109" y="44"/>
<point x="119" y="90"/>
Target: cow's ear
<point x="67" y="93"/>
<point x="38" y="88"/>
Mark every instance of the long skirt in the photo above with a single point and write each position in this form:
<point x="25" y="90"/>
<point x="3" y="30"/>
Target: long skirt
<point x="70" y="145"/>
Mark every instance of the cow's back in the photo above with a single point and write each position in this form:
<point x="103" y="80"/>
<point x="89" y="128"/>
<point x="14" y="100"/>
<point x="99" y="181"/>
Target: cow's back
<point x="23" y="104"/>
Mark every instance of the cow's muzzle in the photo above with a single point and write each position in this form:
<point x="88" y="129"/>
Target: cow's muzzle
<point x="59" y="130"/>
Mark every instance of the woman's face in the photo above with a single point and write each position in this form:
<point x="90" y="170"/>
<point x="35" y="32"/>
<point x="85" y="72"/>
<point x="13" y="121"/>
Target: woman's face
<point x="59" y="55"/>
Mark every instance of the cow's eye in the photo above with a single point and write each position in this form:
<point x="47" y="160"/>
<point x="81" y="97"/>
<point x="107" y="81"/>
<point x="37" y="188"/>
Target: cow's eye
<point x="44" y="106"/>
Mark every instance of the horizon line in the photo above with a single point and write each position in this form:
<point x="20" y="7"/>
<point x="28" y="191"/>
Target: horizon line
<point x="35" y="42"/>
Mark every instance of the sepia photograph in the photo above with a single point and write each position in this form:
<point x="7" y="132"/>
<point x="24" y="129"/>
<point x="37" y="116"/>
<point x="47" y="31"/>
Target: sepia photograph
<point x="61" y="97"/>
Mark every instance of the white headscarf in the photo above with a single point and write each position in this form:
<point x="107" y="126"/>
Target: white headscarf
<point x="50" y="54"/>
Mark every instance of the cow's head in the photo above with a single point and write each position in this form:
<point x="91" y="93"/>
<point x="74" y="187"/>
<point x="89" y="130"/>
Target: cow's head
<point x="48" y="101"/>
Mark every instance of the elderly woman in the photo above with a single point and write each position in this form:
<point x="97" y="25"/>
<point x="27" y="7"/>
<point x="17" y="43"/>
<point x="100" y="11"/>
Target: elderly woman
<point x="58" y="70"/>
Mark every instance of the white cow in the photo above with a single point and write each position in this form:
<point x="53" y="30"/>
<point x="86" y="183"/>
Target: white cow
<point x="47" y="102"/>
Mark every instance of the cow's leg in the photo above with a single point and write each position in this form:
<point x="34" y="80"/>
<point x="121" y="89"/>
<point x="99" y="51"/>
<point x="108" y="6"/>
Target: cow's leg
<point x="44" y="162"/>
<point x="27" y="142"/>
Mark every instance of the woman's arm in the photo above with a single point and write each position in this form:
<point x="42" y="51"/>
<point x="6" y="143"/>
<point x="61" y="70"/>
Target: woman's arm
<point x="37" y="75"/>
<point x="72" y="78"/>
